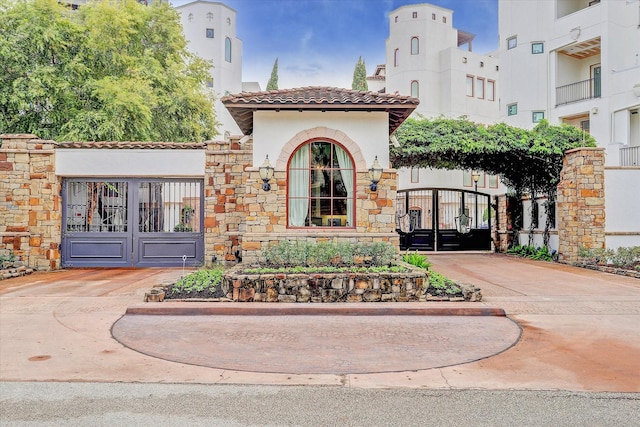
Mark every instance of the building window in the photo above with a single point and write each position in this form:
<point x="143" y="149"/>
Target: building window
<point x="469" y="85"/>
<point x="444" y="19"/>
<point x="491" y="90"/>
<point x="320" y="186"/>
<point x="228" y="21"/>
<point x="190" y="17"/>
<point x="415" y="89"/>
<point x="210" y="16"/>
<point x="493" y="181"/>
<point x="512" y="109"/>
<point x="537" y="48"/>
<point x="227" y="49"/>
<point x="480" y="88"/>
<point x="585" y="126"/>
<point x="209" y="82"/>
<point x="415" y="175"/>
<point x="414" y="15"/>
<point x="396" y="57"/>
<point x="415" y="46"/>
<point x="395" y="19"/>
<point x="209" y="33"/>
<point x="433" y="16"/>
<point x="536" y="116"/>
<point x="512" y="42"/>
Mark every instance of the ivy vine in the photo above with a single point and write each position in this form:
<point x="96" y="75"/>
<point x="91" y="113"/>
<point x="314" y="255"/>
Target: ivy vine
<point x="527" y="161"/>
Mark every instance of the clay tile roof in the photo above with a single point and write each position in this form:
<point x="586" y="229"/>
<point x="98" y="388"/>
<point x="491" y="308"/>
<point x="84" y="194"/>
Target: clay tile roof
<point x="318" y="98"/>
<point x="131" y="145"/>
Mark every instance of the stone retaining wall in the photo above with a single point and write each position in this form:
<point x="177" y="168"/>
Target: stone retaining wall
<point x="323" y="288"/>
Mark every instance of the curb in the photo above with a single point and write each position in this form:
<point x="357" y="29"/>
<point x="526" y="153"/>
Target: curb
<point x="333" y="309"/>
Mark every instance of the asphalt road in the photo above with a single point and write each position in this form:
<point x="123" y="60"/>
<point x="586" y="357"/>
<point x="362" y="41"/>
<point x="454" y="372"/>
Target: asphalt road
<point x="122" y="404"/>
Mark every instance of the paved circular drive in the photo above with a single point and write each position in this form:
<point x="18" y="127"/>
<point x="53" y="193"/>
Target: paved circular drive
<point x="303" y="344"/>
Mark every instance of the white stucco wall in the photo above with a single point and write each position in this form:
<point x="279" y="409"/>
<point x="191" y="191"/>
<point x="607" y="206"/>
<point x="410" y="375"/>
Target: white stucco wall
<point x="622" y="212"/>
<point x="129" y="163"/>
<point x="369" y="130"/>
<point x="442" y="178"/>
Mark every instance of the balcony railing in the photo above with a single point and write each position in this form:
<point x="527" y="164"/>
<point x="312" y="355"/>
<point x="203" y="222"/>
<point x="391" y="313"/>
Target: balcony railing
<point x="579" y="91"/>
<point x="630" y="156"/>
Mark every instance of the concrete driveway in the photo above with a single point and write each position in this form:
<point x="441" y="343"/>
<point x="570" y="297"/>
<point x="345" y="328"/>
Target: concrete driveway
<point x="579" y="331"/>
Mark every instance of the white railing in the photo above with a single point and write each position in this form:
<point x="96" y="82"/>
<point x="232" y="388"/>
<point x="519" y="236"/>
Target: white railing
<point x="630" y="156"/>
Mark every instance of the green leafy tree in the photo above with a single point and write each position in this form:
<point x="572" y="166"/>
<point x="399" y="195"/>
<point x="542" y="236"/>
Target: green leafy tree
<point x="273" y="80"/>
<point x="360" y="76"/>
<point x="109" y="71"/>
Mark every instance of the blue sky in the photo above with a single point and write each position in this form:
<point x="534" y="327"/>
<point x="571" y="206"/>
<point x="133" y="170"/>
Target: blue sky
<point x="318" y="42"/>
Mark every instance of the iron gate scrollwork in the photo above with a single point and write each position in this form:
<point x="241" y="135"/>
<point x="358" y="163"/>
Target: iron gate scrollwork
<point x="431" y="219"/>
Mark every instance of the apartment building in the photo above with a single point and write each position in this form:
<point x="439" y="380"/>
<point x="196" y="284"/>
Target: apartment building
<point x="578" y="62"/>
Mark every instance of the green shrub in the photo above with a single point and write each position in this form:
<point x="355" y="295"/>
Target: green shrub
<point x="416" y="259"/>
<point x="624" y="257"/>
<point x="542" y="254"/>
<point x="302" y="253"/>
<point x="198" y="281"/>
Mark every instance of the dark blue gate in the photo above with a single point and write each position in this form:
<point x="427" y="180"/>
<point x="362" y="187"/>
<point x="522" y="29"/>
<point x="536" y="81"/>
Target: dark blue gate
<point x="132" y="222"/>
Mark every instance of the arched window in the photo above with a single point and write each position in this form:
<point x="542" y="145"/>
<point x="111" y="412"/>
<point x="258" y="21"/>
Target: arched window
<point x="321" y="186"/>
<point x="415" y="89"/>
<point x="227" y="49"/>
<point x="396" y="57"/>
<point x="415" y="46"/>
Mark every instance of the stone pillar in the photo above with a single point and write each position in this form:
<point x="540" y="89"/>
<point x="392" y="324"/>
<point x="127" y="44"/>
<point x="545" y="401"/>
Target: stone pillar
<point x="502" y="224"/>
<point x="581" y="203"/>
<point x="30" y="204"/>
<point x="224" y="206"/>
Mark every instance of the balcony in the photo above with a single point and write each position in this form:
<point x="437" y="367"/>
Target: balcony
<point x="578" y="91"/>
<point x="630" y="156"/>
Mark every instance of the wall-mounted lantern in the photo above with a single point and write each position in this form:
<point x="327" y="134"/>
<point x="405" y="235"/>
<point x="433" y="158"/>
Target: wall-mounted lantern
<point x="266" y="173"/>
<point x="375" y="173"/>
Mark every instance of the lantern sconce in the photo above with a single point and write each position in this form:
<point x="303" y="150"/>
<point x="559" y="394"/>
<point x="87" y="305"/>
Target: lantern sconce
<point x="375" y="173"/>
<point x="476" y="177"/>
<point x="266" y="173"/>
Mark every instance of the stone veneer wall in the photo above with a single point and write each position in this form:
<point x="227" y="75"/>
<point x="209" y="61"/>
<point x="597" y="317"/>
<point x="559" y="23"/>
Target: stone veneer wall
<point x="30" y="204"/>
<point x="266" y="220"/>
<point x="581" y="203"/>
<point x="224" y="198"/>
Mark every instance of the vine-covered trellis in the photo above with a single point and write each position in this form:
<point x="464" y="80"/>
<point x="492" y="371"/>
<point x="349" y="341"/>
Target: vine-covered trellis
<point x="527" y="161"/>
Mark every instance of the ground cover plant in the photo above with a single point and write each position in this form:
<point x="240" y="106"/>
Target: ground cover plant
<point x="533" y="252"/>
<point x="439" y="285"/>
<point x="205" y="283"/>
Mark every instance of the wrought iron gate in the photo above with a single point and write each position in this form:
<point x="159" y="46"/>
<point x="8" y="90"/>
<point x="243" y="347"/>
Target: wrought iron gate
<point x="430" y="219"/>
<point x="132" y="222"/>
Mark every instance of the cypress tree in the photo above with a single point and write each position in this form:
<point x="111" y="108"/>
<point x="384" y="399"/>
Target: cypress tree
<point x="273" y="80"/>
<point x="360" y="76"/>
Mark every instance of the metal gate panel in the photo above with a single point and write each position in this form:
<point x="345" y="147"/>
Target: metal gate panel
<point x="169" y="223"/>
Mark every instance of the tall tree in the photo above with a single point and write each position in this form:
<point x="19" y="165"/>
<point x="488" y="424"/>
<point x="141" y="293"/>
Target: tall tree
<point x="360" y="76"/>
<point x="109" y="71"/>
<point x="273" y="80"/>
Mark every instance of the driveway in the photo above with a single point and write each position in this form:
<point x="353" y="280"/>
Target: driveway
<point x="579" y="331"/>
